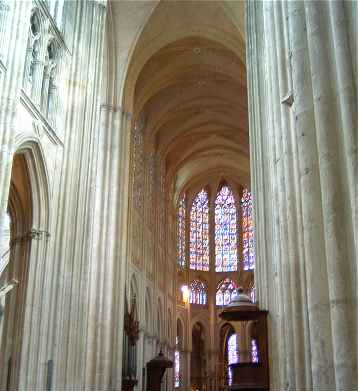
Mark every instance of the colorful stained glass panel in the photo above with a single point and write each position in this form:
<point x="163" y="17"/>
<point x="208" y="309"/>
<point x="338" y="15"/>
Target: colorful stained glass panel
<point x="198" y="293"/>
<point x="248" y="240"/>
<point x="225" y="291"/>
<point x="232" y="350"/>
<point x="225" y="231"/>
<point x="181" y="232"/>
<point x="199" y="232"/>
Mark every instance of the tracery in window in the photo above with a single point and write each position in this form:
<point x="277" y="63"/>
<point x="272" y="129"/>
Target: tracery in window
<point x="225" y="290"/>
<point x="198" y="294"/>
<point x="199" y="232"/>
<point x="248" y="244"/>
<point x="181" y="232"/>
<point x="225" y="231"/>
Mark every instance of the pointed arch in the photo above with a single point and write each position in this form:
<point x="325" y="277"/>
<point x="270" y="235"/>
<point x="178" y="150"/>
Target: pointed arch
<point x="28" y="207"/>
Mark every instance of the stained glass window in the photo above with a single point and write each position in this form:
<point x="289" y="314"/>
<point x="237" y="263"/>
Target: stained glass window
<point x="232" y="354"/>
<point x="199" y="232"/>
<point x="225" y="231"/>
<point x="181" y="232"/>
<point x="232" y="349"/>
<point x="225" y="291"/>
<point x="198" y="293"/>
<point x="248" y="244"/>
<point x="254" y="351"/>
<point x="176" y="369"/>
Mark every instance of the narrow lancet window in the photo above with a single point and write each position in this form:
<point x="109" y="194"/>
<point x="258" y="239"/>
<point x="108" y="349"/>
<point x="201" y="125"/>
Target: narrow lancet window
<point x="199" y="232"/>
<point x="248" y="240"/>
<point x="225" y="231"/>
<point x="181" y="232"/>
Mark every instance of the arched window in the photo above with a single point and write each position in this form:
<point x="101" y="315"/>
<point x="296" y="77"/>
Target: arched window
<point x="248" y="244"/>
<point x="199" y="232"/>
<point x="198" y="293"/>
<point x="224" y="292"/>
<point x="181" y="232"/>
<point x="225" y="231"/>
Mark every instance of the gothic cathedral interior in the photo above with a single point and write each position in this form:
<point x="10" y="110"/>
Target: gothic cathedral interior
<point x="178" y="195"/>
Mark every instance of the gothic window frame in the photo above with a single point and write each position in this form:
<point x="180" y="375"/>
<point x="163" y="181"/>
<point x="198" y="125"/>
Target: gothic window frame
<point x="225" y="285"/>
<point x="198" y="292"/>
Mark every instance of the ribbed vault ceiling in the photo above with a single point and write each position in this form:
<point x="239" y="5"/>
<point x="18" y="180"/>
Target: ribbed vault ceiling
<point x="192" y="94"/>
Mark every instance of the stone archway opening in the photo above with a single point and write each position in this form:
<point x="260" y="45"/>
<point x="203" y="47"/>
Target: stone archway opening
<point x="15" y="274"/>
<point x="27" y="247"/>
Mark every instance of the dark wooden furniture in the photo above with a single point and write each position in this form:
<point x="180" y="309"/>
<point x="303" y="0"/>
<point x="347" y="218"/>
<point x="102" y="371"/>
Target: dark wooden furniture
<point x="130" y="339"/>
<point x="155" y="371"/>
<point x="249" y="375"/>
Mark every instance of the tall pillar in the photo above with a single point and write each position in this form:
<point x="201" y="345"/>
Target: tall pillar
<point x="107" y="269"/>
<point x="72" y="237"/>
<point x="303" y="140"/>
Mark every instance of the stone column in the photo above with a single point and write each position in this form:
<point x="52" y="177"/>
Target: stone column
<point x="67" y="330"/>
<point x="107" y="269"/>
<point x="303" y="137"/>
